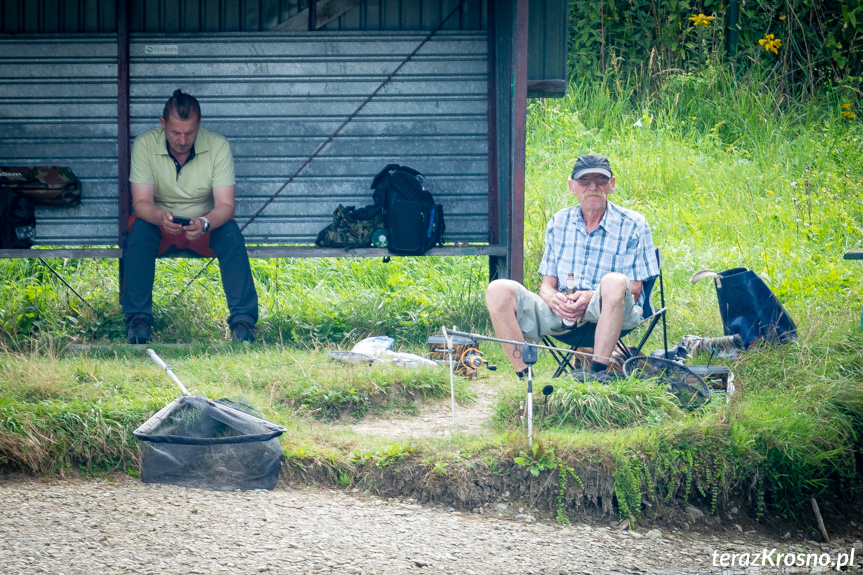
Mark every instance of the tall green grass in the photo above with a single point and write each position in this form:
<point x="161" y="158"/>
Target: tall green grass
<point x="594" y="406"/>
<point x="727" y="177"/>
<point x="308" y="301"/>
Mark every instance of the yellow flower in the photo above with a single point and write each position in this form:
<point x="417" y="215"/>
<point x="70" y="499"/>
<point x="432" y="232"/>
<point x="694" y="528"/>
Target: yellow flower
<point x="701" y="20"/>
<point x="849" y="115"/>
<point x="770" y="43"/>
<point x="847" y="106"/>
<point x="768" y="192"/>
<point x="694" y="118"/>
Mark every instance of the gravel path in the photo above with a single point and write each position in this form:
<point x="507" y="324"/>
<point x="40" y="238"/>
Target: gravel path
<point x="435" y="418"/>
<point x="123" y="526"/>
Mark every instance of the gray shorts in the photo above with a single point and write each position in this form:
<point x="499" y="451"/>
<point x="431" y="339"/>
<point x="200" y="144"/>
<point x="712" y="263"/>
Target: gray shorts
<point x="536" y="319"/>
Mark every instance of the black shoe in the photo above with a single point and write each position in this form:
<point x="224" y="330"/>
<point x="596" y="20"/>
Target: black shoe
<point x="138" y="329"/>
<point x="242" y="331"/>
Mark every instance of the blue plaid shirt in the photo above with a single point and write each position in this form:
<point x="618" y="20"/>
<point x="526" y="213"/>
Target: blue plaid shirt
<point x="621" y="243"/>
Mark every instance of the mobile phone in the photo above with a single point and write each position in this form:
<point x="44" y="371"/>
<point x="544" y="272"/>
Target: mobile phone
<point x="181" y="220"/>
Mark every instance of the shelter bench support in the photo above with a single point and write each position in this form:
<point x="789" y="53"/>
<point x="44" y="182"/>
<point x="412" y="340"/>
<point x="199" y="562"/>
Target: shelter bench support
<point x="855" y="255"/>
<point x="495" y="252"/>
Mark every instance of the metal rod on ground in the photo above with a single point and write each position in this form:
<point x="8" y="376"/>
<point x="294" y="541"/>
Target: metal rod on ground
<point x="168" y="370"/>
<point x="529" y="355"/>
<point x="530" y="406"/>
<point x="476" y="336"/>
<point x="451" y="349"/>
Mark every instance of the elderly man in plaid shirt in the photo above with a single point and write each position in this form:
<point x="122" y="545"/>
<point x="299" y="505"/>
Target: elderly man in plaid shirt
<point x="608" y="249"/>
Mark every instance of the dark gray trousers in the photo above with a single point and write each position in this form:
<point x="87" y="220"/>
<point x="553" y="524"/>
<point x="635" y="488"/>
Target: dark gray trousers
<point x="139" y="270"/>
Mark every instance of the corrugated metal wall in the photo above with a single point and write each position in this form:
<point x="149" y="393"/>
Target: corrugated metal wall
<point x="412" y="15"/>
<point x="275" y="97"/>
<point x="158" y="16"/>
<point x="547" y="48"/>
<point x="58" y="106"/>
<point x="57" y="16"/>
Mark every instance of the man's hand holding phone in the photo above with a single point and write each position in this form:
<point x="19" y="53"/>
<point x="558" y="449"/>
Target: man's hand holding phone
<point x="194" y="230"/>
<point x="170" y="223"/>
<point x="191" y="227"/>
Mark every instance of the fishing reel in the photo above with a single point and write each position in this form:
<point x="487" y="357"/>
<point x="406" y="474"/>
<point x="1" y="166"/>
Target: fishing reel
<point x="472" y="359"/>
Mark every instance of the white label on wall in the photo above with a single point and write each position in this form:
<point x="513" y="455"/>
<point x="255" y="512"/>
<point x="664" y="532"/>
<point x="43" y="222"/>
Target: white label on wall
<point x="161" y="49"/>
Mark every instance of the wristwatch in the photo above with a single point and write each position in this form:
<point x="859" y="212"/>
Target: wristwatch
<point x="206" y="227"/>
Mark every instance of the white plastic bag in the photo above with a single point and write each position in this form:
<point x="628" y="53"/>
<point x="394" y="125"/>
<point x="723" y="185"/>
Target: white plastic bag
<point x="379" y="347"/>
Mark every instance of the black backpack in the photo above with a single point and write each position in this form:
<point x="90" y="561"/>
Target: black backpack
<point x="413" y="220"/>
<point x="17" y="221"/>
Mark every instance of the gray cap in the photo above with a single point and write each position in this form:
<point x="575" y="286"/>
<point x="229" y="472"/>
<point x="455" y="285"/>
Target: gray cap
<point x="591" y="164"/>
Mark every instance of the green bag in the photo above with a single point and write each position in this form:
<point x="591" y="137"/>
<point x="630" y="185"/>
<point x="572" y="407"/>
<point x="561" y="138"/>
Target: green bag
<point x="44" y="185"/>
<point x="348" y="231"/>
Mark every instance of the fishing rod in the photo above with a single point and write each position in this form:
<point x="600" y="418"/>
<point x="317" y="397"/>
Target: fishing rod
<point x="65" y="283"/>
<point x="476" y="336"/>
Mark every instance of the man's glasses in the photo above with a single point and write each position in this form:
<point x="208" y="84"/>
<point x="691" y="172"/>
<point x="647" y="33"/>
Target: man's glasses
<point x="598" y="180"/>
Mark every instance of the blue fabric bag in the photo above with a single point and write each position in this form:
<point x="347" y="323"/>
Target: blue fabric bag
<point x="748" y="308"/>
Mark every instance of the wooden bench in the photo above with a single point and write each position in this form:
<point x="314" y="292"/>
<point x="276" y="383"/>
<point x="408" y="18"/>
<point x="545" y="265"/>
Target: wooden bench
<point x="855" y="255"/>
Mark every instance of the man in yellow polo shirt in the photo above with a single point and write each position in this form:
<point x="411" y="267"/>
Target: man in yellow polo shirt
<point x="183" y="194"/>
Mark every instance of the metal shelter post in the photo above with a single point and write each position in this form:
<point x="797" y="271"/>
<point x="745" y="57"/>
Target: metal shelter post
<point x="519" y="134"/>
<point x="732" y="28"/>
<point x="313" y="16"/>
<point x="493" y="219"/>
<point x="124" y="208"/>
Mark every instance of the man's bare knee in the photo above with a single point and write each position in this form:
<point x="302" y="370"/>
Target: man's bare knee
<point x="500" y="294"/>
<point x="614" y="285"/>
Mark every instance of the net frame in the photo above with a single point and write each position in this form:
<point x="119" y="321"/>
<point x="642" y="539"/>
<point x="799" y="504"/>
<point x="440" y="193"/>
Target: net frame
<point x="688" y="387"/>
<point x="220" y="445"/>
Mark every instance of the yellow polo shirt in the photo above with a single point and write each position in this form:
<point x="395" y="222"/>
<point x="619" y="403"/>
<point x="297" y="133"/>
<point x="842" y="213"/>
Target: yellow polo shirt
<point x="189" y="193"/>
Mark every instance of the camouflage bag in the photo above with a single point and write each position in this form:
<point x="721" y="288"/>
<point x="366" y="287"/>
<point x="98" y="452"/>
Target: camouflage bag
<point x="45" y="185"/>
<point x="348" y="231"/>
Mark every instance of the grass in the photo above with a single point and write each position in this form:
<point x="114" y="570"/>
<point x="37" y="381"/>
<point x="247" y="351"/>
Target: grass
<point x="301" y="300"/>
<point x="727" y="173"/>
<point x="57" y="412"/>
<point x="595" y="407"/>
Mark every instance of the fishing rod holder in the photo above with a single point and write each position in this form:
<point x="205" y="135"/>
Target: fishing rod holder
<point x="529" y="355"/>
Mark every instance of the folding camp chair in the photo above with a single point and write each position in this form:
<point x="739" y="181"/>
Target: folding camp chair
<point x="583" y="336"/>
